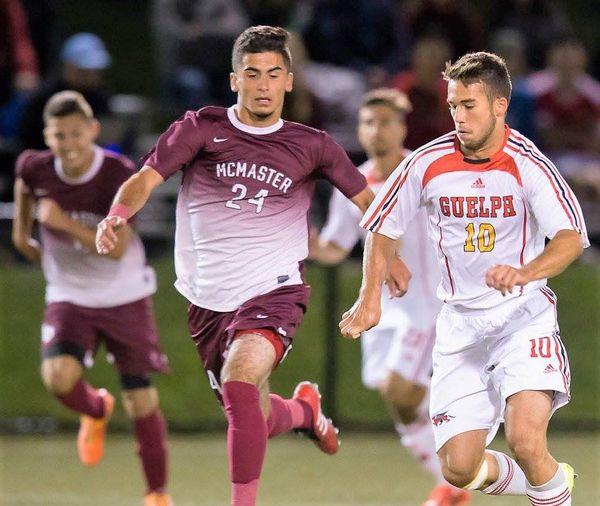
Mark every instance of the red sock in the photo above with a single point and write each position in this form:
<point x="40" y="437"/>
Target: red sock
<point x="84" y="399"/>
<point x="288" y="414"/>
<point x="246" y="440"/>
<point x="151" y="433"/>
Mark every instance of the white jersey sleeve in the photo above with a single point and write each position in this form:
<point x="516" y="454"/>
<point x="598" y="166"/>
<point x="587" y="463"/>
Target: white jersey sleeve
<point x="397" y="203"/>
<point x="341" y="227"/>
<point x="551" y="201"/>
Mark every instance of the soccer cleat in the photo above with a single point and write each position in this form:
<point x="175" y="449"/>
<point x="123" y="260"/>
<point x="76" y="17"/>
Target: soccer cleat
<point x="323" y="432"/>
<point x="447" y="495"/>
<point x="90" y="440"/>
<point x="569" y="475"/>
<point x="158" y="499"/>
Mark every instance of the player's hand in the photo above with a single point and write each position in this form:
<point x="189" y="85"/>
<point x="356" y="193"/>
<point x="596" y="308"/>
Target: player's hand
<point x="504" y="278"/>
<point x="360" y="317"/>
<point x="398" y="277"/>
<point x="51" y="215"/>
<point x="106" y="237"/>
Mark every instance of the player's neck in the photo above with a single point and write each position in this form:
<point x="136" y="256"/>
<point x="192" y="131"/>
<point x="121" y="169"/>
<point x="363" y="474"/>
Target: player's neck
<point x="384" y="165"/>
<point x="491" y="146"/>
<point x="248" y="118"/>
<point x="80" y="169"/>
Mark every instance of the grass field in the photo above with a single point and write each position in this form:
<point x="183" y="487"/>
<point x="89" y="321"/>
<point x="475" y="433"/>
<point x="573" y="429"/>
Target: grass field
<point x="370" y="470"/>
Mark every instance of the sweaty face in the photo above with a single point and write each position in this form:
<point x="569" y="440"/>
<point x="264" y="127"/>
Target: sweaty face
<point x="380" y="130"/>
<point x="473" y="114"/>
<point x="261" y="82"/>
<point x="71" y="139"/>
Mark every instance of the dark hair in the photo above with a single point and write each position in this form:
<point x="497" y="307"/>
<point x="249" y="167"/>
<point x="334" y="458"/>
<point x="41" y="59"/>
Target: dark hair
<point x="389" y="97"/>
<point x="65" y="103"/>
<point x="486" y="68"/>
<point x="262" y="39"/>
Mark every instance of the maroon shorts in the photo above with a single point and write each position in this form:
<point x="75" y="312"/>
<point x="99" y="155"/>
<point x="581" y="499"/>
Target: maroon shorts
<point x="129" y="332"/>
<point x="279" y="311"/>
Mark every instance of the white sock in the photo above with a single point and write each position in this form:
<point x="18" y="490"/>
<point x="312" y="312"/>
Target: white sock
<point x="511" y="479"/>
<point x="553" y="493"/>
<point x="417" y="438"/>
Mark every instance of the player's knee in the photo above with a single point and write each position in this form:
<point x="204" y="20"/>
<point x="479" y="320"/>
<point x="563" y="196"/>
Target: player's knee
<point x="59" y="378"/>
<point x="526" y="448"/>
<point x="140" y="402"/>
<point x="459" y="470"/>
<point x="404" y="397"/>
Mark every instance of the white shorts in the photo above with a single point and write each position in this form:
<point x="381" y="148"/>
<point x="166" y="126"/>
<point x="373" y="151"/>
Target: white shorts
<point x="404" y="349"/>
<point x="483" y="357"/>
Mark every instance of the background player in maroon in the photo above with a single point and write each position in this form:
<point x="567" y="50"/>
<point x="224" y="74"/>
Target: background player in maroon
<point x="248" y="178"/>
<point x="89" y="299"/>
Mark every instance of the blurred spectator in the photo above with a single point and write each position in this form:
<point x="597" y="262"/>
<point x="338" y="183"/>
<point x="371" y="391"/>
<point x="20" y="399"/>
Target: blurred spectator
<point x="511" y="46"/>
<point x="568" y="104"/>
<point x="194" y="40"/>
<point x="42" y="18"/>
<point x="538" y="21"/>
<point x="451" y="20"/>
<point x="426" y="89"/>
<point x="83" y="60"/>
<point x="369" y="36"/>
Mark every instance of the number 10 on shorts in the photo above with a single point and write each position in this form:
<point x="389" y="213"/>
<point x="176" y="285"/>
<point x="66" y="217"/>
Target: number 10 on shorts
<point x="540" y="347"/>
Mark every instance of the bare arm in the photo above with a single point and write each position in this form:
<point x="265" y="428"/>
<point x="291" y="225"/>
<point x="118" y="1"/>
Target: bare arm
<point x="51" y="215"/>
<point x="363" y="199"/>
<point x="23" y="223"/>
<point x="325" y="252"/>
<point x="132" y="195"/>
<point x="366" y="311"/>
<point x="558" y="254"/>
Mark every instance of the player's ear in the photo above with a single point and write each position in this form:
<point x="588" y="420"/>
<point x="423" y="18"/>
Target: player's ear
<point x="95" y="128"/>
<point x="233" y="82"/>
<point x="289" y="84"/>
<point x="46" y="133"/>
<point x="500" y="106"/>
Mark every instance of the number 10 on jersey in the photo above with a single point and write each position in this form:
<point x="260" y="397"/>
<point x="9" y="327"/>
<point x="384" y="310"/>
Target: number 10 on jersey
<point x="258" y="200"/>
<point x="486" y="238"/>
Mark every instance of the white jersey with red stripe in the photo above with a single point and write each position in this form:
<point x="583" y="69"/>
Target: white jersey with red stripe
<point x="481" y="213"/>
<point x="342" y="229"/>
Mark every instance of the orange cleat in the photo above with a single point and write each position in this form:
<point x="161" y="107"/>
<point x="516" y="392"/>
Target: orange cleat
<point x="90" y="440"/>
<point x="324" y="433"/>
<point x="447" y="495"/>
<point x="158" y="499"/>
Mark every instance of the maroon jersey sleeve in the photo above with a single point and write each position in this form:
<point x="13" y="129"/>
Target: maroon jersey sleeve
<point x="22" y="170"/>
<point x="336" y="167"/>
<point x="178" y="145"/>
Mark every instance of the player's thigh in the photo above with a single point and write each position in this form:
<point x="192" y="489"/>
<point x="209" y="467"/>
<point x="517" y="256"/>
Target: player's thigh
<point x="250" y="359"/>
<point x="401" y="392"/>
<point x="526" y="422"/>
<point x="140" y="402"/>
<point x="461" y="456"/>
<point x="60" y="373"/>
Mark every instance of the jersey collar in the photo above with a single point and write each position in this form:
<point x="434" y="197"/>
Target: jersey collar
<point x="86" y="176"/>
<point x="251" y="129"/>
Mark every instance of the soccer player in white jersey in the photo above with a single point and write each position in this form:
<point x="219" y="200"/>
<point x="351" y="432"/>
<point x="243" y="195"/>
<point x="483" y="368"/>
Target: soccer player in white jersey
<point x="492" y="198"/>
<point x="396" y="354"/>
<point x="241" y="237"/>
<point x="91" y="299"/>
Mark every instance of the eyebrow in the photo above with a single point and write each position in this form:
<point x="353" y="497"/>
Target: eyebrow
<point x="253" y="69"/>
<point x="462" y="101"/>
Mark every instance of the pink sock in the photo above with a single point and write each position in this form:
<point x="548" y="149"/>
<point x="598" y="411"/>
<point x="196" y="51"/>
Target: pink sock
<point x="84" y="399"/>
<point x="151" y="433"/>
<point x="288" y="414"/>
<point x="246" y="440"/>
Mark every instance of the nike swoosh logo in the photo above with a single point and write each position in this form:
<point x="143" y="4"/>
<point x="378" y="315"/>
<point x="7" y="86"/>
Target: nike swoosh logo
<point x="217" y="139"/>
<point x="262" y="316"/>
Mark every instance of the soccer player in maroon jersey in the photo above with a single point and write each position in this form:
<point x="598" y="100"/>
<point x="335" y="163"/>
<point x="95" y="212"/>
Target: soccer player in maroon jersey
<point x="241" y="238"/>
<point x="91" y="299"/>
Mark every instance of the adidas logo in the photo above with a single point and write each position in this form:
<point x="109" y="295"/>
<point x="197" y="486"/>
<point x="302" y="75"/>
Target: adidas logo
<point x="549" y="368"/>
<point x="478" y="183"/>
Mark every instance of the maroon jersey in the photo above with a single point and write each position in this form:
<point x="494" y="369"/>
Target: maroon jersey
<point x="73" y="273"/>
<point x="243" y="203"/>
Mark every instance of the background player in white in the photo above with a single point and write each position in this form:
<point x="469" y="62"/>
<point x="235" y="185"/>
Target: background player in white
<point x="396" y="354"/>
<point x="91" y="299"/>
<point x="492" y="199"/>
<point x="241" y="237"/>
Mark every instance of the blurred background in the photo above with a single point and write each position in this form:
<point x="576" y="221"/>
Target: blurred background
<point x="142" y="63"/>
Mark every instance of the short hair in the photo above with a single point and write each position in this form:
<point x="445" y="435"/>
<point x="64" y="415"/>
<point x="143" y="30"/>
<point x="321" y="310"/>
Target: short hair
<point x="262" y="39"/>
<point x="486" y="68"/>
<point x="389" y="97"/>
<point x="65" y="103"/>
